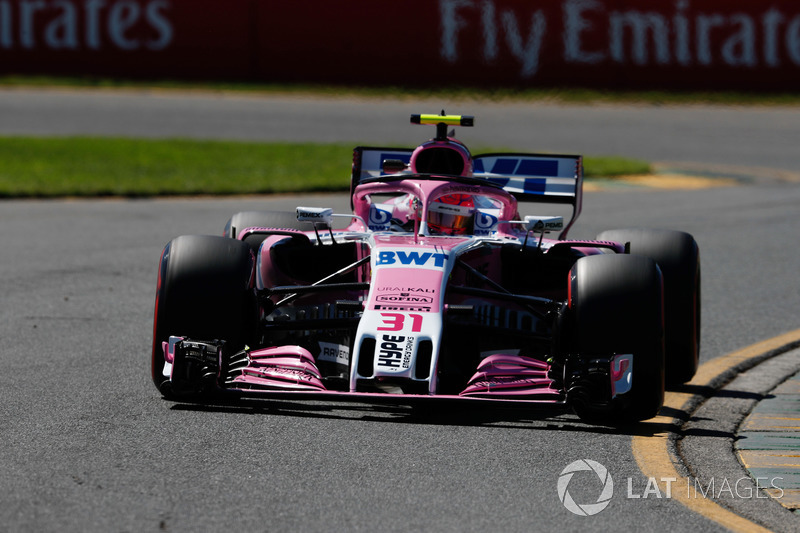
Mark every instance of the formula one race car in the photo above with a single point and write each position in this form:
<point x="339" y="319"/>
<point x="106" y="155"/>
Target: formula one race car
<point x="437" y="289"/>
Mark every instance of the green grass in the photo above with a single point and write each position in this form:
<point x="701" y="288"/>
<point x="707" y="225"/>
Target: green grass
<point x="78" y="166"/>
<point x="90" y="167"/>
<point x="612" y="166"/>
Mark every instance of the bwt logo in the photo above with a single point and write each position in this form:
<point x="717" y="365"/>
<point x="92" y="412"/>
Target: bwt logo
<point x="485" y="223"/>
<point x="412" y="259"/>
<point x="380" y="217"/>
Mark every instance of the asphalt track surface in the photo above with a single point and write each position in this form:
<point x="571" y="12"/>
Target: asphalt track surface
<point x="720" y="136"/>
<point x="87" y="444"/>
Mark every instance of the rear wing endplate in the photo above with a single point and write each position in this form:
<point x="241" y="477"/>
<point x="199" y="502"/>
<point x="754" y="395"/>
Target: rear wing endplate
<point x="368" y="163"/>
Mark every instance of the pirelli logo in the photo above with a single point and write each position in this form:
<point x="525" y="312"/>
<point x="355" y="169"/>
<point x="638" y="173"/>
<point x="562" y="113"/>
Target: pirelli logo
<point x="397" y="307"/>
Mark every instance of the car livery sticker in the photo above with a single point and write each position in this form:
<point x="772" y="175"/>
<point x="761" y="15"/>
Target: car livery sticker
<point x="397" y="335"/>
<point x="334" y="353"/>
<point x="380" y="217"/>
<point x="405" y="298"/>
<point x="486" y="221"/>
<point x="394" y="352"/>
<point x="422" y="258"/>
<point x="395" y="290"/>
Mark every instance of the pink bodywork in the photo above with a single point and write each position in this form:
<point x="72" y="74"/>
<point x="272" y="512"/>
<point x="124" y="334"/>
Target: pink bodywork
<point x="409" y="274"/>
<point x="511" y="375"/>
<point x="284" y="368"/>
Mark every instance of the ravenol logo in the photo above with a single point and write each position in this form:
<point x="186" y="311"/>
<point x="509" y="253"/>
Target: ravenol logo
<point x="586" y="509"/>
<point x="413" y="259"/>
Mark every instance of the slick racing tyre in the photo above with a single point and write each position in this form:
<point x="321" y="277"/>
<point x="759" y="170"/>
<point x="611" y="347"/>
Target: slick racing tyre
<point x="204" y="292"/>
<point x="678" y="256"/>
<point x="616" y="307"/>
<point x="266" y="219"/>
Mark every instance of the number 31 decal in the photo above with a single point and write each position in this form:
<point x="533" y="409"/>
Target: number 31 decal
<point x="395" y="322"/>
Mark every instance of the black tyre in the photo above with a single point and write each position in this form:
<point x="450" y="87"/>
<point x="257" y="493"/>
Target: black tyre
<point x="616" y="307"/>
<point x="267" y="219"/>
<point x="204" y="292"/>
<point x="678" y="256"/>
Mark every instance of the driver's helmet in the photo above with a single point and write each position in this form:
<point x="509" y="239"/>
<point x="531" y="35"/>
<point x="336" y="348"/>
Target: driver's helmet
<point x="452" y="214"/>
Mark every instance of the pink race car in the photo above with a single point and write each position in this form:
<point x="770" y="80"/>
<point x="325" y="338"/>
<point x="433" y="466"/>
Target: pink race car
<point x="435" y="288"/>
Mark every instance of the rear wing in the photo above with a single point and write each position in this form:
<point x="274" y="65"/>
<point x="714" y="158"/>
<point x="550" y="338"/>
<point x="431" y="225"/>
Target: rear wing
<point x="541" y="178"/>
<point x="533" y="177"/>
<point x="368" y="161"/>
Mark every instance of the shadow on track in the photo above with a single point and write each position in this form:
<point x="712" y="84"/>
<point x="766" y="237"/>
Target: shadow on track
<point x="670" y="420"/>
<point x="446" y="415"/>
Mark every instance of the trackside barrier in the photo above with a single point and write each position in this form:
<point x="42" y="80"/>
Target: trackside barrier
<point x="675" y="44"/>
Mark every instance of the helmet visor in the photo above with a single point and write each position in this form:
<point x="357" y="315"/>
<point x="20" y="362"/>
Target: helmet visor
<point x="449" y="219"/>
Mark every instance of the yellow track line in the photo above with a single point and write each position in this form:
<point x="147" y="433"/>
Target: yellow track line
<point x="652" y="452"/>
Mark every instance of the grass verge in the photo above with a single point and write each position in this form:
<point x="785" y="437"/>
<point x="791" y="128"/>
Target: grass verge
<point x="89" y="167"/>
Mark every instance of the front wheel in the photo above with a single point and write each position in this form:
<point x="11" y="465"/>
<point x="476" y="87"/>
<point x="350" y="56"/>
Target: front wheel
<point x="616" y="309"/>
<point x="678" y="257"/>
<point x="204" y="292"/>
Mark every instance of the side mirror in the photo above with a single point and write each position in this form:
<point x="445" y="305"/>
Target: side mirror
<point x="544" y="224"/>
<point x="316" y="215"/>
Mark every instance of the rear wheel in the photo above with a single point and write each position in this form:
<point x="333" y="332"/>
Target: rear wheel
<point x="616" y="308"/>
<point x="678" y="257"/>
<point x="266" y="219"/>
<point x="204" y="292"/>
